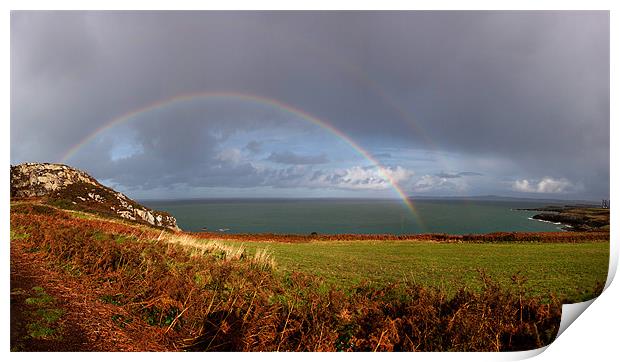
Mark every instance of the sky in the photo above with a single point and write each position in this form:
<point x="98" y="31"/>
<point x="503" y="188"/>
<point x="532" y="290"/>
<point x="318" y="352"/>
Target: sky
<point x="166" y="105"/>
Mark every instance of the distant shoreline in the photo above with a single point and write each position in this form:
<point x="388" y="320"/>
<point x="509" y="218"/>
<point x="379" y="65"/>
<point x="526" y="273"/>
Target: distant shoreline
<point x="574" y="217"/>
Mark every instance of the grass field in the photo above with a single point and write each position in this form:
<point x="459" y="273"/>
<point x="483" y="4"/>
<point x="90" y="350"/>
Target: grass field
<point x="179" y="291"/>
<point x="562" y="269"/>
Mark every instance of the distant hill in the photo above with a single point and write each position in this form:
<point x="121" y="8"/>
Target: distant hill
<point x="70" y="188"/>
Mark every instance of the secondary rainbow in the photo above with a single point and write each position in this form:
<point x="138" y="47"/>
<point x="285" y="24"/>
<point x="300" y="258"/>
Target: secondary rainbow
<point x="257" y="99"/>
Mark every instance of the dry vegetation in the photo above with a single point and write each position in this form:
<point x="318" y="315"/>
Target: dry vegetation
<point x="209" y="296"/>
<point x="526" y="237"/>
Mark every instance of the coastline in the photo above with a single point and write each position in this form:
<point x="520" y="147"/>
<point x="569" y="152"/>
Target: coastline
<point x="574" y="217"/>
<point x="564" y="227"/>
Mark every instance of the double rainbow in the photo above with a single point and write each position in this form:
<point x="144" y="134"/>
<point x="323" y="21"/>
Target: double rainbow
<point x="256" y="99"/>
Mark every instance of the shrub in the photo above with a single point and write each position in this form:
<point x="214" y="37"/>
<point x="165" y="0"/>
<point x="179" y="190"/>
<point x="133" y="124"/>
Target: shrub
<point x="208" y="296"/>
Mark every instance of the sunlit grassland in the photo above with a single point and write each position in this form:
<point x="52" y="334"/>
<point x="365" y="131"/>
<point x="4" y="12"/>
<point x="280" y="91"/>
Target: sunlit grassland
<point x="215" y="294"/>
<point x="560" y="268"/>
<point x="563" y="269"/>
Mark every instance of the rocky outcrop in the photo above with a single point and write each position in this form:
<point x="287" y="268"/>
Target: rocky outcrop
<point x="41" y="179"/>
<point x="576" y="222"/>
<point x="68" y="187"/>
<point x="578" y="217"/>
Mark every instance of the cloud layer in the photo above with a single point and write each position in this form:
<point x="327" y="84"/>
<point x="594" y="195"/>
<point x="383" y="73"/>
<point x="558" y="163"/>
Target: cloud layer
<point x="503" y="95"/>
<point x="291" y="158"/>
<point x="545" y="186"/>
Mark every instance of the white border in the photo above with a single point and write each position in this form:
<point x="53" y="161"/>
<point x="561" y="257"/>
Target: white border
<point x="592" y="335"/>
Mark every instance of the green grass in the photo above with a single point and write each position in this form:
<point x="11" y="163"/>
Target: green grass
<point x="81" y="215"/>
<point x="50" y="315"/>
<point x="123" y="238"/>
<point x="18" y="235"/>
<point x="566" y="270"/>
<point x="41" y="298"/>
<point x="45" y="318"/>
<point x="40" y="330"/>
<point x="99" y="235"/>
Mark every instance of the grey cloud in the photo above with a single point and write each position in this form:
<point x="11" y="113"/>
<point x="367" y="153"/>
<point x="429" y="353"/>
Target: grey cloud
<point x="457" y="175"/>
<point x="254" y="146"/>
<point x="353" y="178"/>
<point x="432" y="183"/>
<point x="447" y="175"/>
<point x="291" y="158"/>
<point x="528" y="87"/>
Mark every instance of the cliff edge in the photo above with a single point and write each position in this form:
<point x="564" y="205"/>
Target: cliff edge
<point x="70" y="188"/>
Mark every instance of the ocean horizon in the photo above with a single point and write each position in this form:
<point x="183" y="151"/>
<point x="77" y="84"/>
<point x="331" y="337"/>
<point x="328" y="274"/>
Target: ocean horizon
<point x="356" y="216"/>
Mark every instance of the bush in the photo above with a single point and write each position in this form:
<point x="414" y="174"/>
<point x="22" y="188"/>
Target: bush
<point x="207" y="303"/>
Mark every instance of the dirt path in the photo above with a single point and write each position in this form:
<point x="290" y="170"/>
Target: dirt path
<point x="54" y="311"/>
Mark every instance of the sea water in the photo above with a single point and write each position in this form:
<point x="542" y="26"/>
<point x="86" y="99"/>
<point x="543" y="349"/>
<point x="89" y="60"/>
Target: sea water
<point x="344" y="216"/>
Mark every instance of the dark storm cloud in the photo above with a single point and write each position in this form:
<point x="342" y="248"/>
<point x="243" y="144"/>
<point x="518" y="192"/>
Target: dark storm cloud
<point x="531" y="88"/>
<point x="291" y="158"/>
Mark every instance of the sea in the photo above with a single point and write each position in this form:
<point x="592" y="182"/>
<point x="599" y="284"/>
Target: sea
<point x="353" y="216"/>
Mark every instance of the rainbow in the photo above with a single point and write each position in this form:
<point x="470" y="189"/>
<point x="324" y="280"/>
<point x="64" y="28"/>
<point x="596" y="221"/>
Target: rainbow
<point x="257" y="99"/>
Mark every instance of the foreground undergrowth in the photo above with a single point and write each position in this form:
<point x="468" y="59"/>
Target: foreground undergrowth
<point x="210" y="298"/>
